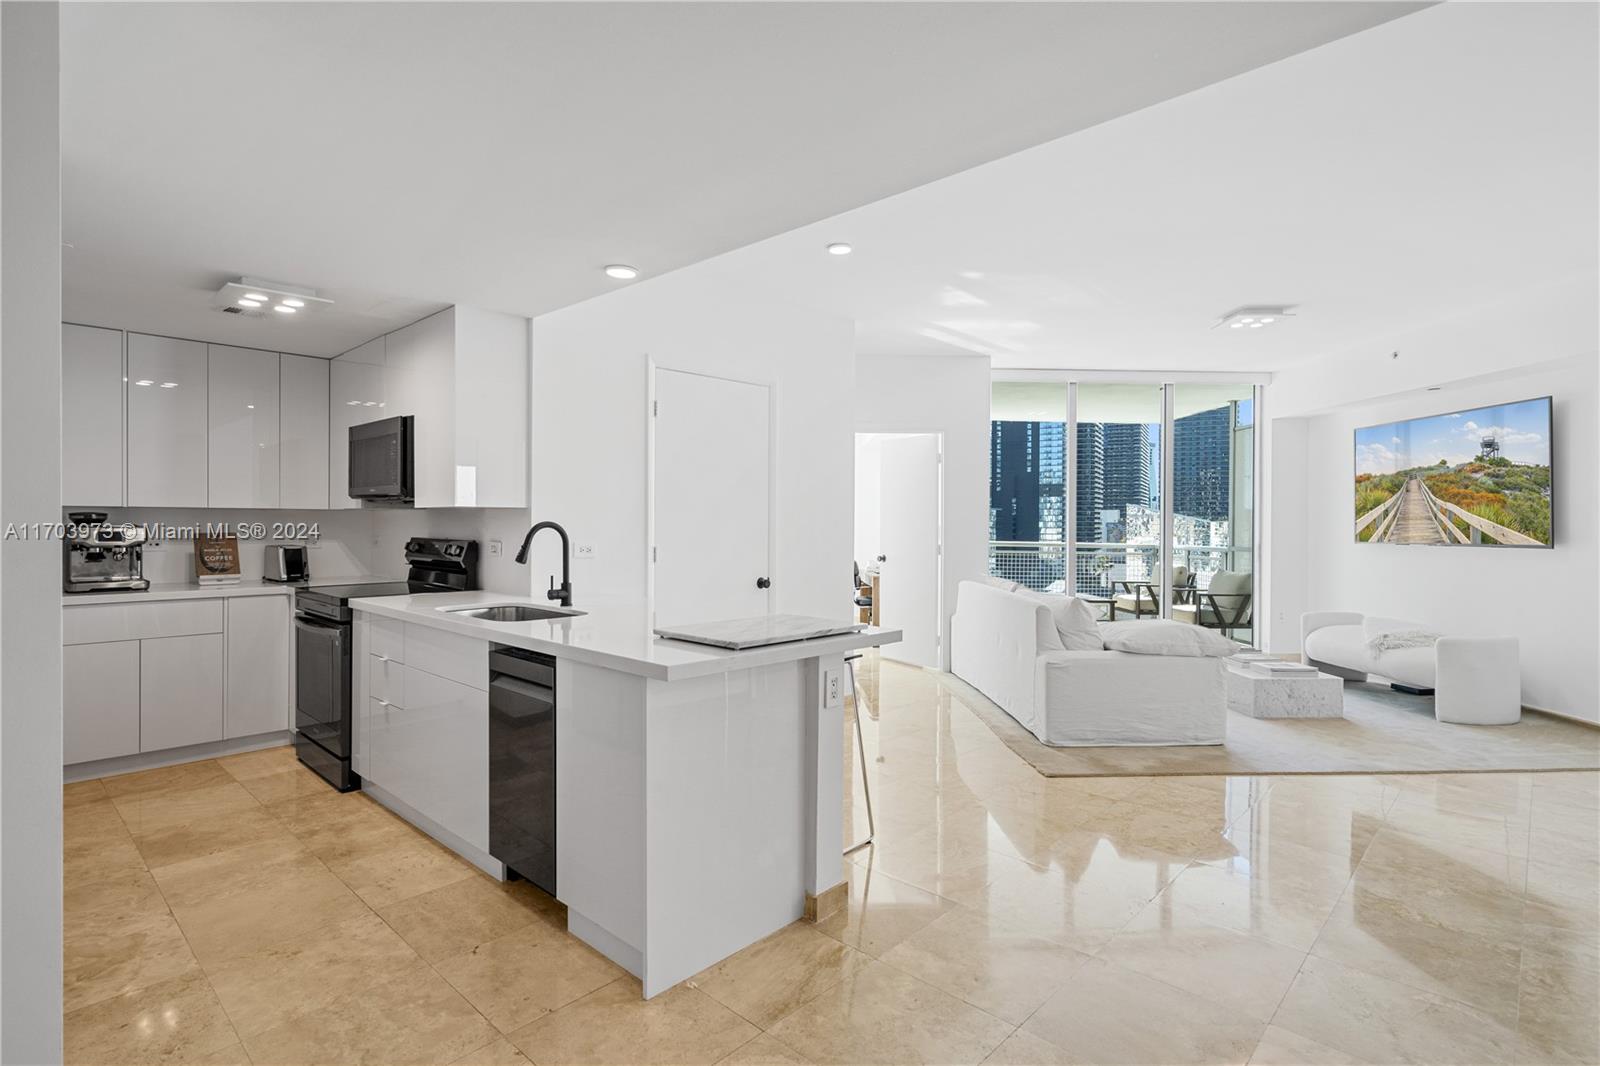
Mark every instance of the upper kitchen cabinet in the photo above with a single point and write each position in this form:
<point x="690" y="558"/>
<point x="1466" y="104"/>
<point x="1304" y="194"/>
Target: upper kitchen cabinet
<point x="243" y="437"/>
<point x="303" y="433"/>
<point x="357" y="393"/>
<point x="463" y="376"/>
<point x="167" y="423"/>
<point x="93" y="393"/>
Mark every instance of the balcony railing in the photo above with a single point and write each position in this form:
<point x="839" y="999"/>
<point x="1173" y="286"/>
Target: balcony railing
<point x="1042" y="565"/>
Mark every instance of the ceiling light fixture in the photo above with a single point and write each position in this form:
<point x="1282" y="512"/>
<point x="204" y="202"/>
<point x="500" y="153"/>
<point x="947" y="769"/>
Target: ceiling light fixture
<point x="622" y="272"/>
<point x="839" y="248"/>
<point x="144" y="381"/>
<point x="250" y="297"/>
<point x="169" y="384"/>
<point x="1255" y="317"/>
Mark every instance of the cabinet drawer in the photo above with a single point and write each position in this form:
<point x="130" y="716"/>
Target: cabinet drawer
<point x="386" y="681"/>
<point x="386" y="638"/>
<point x="463" y="659"/>
<point x="101" y="623"/>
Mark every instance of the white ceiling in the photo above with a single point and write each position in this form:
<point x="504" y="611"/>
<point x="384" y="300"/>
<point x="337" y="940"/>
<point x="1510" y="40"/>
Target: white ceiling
<point x="1396" y="177"/>
<point x="400" y="156"/>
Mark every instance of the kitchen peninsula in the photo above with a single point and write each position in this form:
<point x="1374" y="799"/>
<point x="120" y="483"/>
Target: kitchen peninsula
<point x="698" y="791"/>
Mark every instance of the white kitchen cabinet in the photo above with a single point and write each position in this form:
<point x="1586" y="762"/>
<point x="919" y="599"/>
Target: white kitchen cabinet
<point x="303" y="433"/>
<point x="435" y="752"/>
<point x="180" y="691"/>
<point x="100" y="700"/>
<point x="167" y="422"/>
<point x="357" y="393"/>
<point x="462" y="374"/>
<point x="257" y="694"/>
<point x="93" y="398"/>
<point x="243" y="438"/>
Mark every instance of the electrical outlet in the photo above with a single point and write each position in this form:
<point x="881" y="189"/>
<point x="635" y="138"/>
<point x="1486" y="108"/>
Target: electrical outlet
<point x="495" y="548"/>
<point x="832" y="689"/>
<point x="583" y="551"/>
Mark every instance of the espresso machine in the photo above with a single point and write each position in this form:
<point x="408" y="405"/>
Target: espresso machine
<point x="102" y="557"/>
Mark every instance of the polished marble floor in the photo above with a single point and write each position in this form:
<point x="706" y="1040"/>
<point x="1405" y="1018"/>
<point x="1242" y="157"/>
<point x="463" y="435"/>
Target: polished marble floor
<point x="236" y="911"/>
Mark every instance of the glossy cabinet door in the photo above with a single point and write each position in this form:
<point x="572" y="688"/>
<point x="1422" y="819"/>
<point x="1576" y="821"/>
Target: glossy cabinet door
<point x="100" y="700"/>
<point x="303" y="433"/>
<point x="420" y="360"/>
<point x="180" y="691"/>
<point x="93" y="395"/>
<point x="243" y="436"/>
<point x="167" y="422"/>
<point x="437" y="747"/>
<point x="257" y="694"/>
<point x="357" y="393"/>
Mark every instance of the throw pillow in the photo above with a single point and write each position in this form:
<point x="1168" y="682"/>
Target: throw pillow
<point x="1074" y="621"/>
<point x="1001" y="583"/>
<point x="1166" y="638"/>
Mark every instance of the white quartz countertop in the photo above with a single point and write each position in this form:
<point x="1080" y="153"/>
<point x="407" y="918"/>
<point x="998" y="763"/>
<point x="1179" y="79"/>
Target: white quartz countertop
<point x="616" y="637"/>
<point x="179" y="590"/>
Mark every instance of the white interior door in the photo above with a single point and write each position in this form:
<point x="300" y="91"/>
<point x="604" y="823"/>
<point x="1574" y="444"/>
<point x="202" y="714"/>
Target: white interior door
<point x="909" y="535"/>
<point x="712" y="498"/>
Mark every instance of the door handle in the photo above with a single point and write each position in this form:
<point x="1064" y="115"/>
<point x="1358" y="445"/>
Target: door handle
<point x="763" y="583"/>
<point x="881" y="558"/>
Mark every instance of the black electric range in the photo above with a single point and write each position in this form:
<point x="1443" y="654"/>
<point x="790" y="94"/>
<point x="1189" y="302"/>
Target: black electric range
<point x="322" y="645"/>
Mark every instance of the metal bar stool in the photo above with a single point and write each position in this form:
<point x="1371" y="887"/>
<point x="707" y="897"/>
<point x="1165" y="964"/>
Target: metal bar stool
<point x="861" y="748"/>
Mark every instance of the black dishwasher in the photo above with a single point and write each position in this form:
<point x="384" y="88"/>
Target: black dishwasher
<point x="522" y="763"/>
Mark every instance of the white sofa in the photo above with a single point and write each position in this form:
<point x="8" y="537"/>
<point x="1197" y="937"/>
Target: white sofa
<point x="1001" y="645"/>
<point x="1475" y="680"/>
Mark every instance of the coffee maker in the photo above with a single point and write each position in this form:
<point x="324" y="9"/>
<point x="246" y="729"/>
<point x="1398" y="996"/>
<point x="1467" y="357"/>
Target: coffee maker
<point x="100" y="557"/>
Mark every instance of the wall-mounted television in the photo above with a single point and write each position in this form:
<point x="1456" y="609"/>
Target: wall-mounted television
<point x="1473" y="477"/>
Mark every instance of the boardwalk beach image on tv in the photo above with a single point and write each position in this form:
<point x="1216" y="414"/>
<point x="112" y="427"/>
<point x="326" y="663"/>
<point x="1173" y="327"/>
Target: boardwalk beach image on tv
<point x="1477" y="477"/>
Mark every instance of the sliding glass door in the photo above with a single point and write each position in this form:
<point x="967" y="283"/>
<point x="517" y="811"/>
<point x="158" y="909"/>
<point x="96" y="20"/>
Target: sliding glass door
<point x="1138" y="496"/>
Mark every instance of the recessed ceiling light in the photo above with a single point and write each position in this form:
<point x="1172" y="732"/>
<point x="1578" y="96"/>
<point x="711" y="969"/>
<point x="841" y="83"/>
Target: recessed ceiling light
<point x="292" y="302"/>
<point x="352" y="403"/>
<point x="1255" y="317"/>
<point x="284" y="309"/>
<point x="169" y="384"/>
<point x="622" y="272"/>
<point x="144" y="381"/>
<point x="255" y="296"/>
<point x="249" y="301"/>
<point x="251" y="297"/>
<point x="250" y="407"/>
<point x="839" y="248"/>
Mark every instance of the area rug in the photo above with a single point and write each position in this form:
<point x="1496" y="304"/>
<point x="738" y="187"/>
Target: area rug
<point x="1382" y="732"/>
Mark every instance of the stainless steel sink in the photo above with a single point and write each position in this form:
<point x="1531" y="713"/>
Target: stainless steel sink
<point x="513" y="612"/>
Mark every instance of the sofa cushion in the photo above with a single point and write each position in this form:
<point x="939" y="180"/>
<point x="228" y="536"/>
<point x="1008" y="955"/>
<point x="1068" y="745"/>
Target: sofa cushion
<point x="1166" y="638"/>
<point x="1001" y="583"/>
<point x="1374" y="626"/>
<point x="1074" y="621"/>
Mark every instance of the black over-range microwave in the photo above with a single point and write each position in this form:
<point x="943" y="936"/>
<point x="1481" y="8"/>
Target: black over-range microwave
<point x="380" y="460"/>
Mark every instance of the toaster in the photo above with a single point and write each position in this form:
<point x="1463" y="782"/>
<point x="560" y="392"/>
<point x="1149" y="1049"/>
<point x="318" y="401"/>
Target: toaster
<point x="286" y="562"/>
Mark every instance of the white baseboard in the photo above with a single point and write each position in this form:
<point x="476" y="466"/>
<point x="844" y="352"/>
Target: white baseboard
<point x="152" y="760"/>
<point x="481" y="859"/>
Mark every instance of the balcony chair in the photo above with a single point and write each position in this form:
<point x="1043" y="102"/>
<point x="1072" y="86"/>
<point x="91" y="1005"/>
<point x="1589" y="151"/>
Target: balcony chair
<point x="1142" y="599"/>
<point x="1225" y="605"/>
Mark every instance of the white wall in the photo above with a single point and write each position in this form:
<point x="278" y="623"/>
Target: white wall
<point x="869" y="486"/>
<point x="949" y="395"/>
<point x="1545" y="597"/>
<point x="30" y="491"/>
<point x="589" y="430"/>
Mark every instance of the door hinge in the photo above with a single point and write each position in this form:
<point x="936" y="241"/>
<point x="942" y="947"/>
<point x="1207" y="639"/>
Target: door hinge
<point x="655" y="408"/>
<point x="652" y="553"/>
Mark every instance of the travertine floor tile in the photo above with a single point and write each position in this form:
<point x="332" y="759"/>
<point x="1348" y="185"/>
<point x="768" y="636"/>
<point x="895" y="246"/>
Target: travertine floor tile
<point x="1106" y="1013"/>
<point x="239" y="901"/>
<point x="880" y="1015"/>
<point x="119" y="936"/>
<point x="407" y="1016"/>
<point x="1024" y="1049"/>
<point x="307" y="972"/>
<point x="498" y="1052"/>
<point x="78" y="793"/>
<point x="775" y="975"/>
<point x="177" y="1020"/>
<point x="1280" y="1047"/>
<point x="285" y="784"/>
<point x="985" y="963"/>
<point x="524" y="975"/>
<point x="764" y="1050"/>
<point x="882" y="911"/>
<point x="614" y="1024"/>
<point x="207" y="833"/>
<point x="395" y="865"/>
<point x="463" y="914"/>
<point x="1243" y="973"/>
<point x="266" y="761"/>
<point x="166" y="779"/>
<point x="1383" y="1021"/>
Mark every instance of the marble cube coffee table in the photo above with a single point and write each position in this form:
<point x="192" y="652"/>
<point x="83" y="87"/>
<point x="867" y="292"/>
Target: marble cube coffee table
<point x="1316" y="695"/>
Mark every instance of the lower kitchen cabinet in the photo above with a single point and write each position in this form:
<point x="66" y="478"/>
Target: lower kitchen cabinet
<point x="100" y="700"/>
<point x="435" y="753"/>
<point x="180" y="691"/>
<point x="257" y="698"/>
